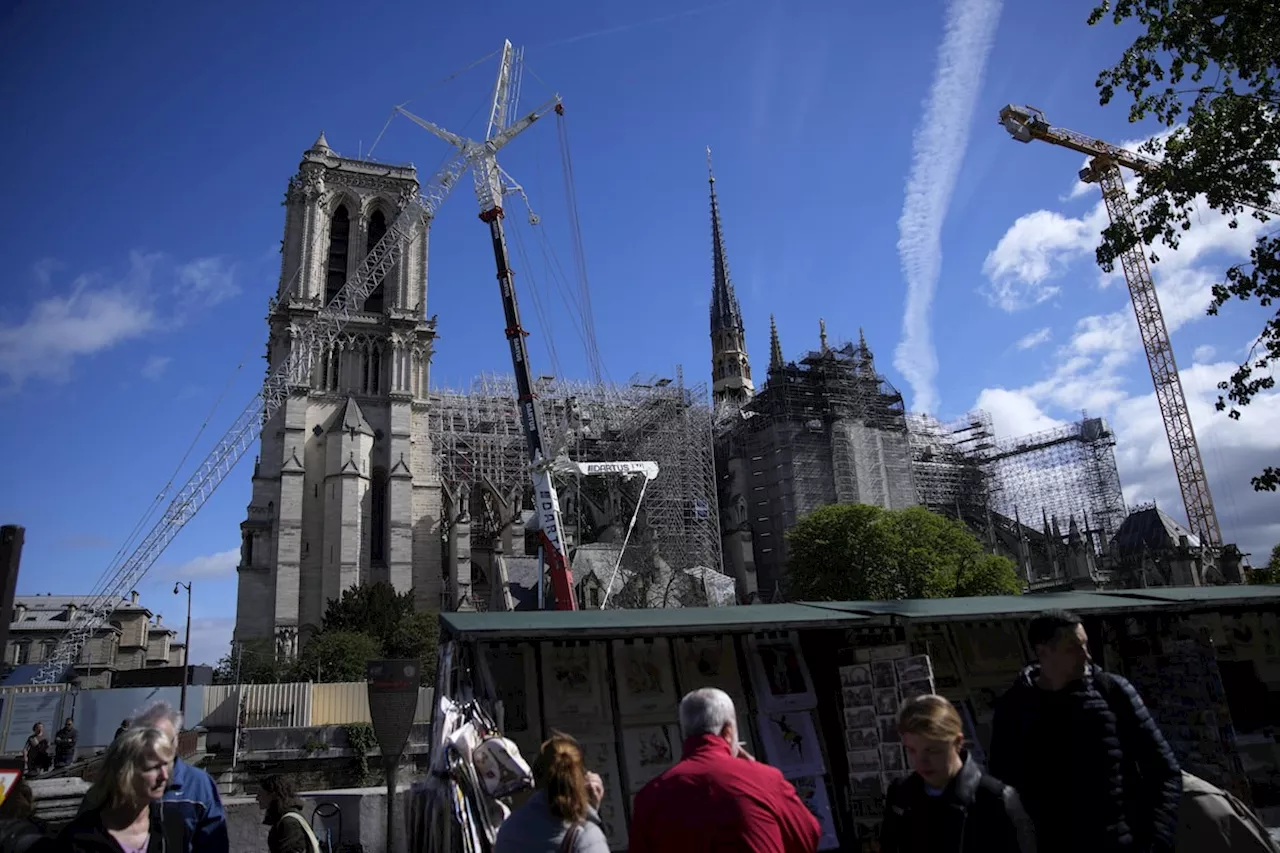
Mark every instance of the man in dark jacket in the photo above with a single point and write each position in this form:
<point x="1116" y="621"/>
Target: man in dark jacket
<point x="1079" y="745"/>
<point x="192" y="792"/>
<point x="64" y="744"/>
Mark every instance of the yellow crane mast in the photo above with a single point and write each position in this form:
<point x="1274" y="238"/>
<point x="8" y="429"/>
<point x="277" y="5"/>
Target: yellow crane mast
<point x="1027" y="123"/>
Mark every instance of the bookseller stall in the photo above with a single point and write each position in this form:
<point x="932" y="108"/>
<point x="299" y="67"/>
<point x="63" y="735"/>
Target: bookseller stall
<point x="817" y="687"/>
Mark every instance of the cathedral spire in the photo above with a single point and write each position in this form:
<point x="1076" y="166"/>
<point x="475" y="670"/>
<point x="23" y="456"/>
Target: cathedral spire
<point x="822" y="334"/>
<point x="730" y="367"/>
<point x="775" y="346"/>
<point x="725" y="311"/>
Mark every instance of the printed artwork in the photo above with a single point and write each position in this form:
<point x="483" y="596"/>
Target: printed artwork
<point x="855" y="676"/>
<point x="791" y="743"/>
<point x="643" y="678"/>
<point x="992" y="648"/>
<point x="571" y="683"/>
<point x="600" y="756"/>
<point x="708" y="662"/>
<point x="780" y="676"/>
<point x="813" y="793"/>
<point x="649" y="751"/>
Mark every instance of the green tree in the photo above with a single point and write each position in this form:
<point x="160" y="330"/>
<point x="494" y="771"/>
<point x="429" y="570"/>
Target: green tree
<point x="336" y="656"/>
<point x="857" y="552"/>
<point x="1209" y="72"/>
<point x="389" y="618"/>
<point x="253" y="660"/>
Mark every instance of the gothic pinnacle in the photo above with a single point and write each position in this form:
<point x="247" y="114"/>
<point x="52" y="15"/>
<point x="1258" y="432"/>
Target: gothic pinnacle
<point x="775" y="346"/>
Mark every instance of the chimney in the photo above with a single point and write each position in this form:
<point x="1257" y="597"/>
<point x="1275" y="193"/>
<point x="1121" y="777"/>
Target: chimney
<point x="19" y="612"/>
<point x="133" y="597"/>
<point x="158" y="618"/>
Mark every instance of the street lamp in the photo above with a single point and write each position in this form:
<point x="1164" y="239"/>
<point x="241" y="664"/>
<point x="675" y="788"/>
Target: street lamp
<point x="186" y="650"/>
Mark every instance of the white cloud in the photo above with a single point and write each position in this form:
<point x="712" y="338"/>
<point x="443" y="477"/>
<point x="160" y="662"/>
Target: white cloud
<point x="1204" y="354"/>
<point x="1014" y="413"/>
<point x="221" y="564"/>
<point x="938" y="150"/>
<point x="94" y="316"/>
<point x="210" y="640"/>
<point x="1036" y="249"/>
<point x="1034" y="339"/>
<point x="155" y="367"/>
<point x="205" y="282"/>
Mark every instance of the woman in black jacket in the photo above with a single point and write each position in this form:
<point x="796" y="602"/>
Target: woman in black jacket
<point x="290" y="832"/>
<point x="122" y="810"/>
<point x="948" y="804"/>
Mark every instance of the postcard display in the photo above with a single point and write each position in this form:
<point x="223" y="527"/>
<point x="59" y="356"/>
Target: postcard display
<point x="872" y="690"/>
<point x="786" y="702"/>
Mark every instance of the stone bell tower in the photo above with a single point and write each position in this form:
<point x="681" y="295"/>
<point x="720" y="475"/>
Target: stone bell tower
<point x="344" y="488"/>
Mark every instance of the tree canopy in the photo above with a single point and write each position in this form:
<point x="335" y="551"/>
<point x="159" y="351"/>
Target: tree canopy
<point x="1209" y="72"/>
<point x="369" y="622"/>
<point x="857" y="552"/>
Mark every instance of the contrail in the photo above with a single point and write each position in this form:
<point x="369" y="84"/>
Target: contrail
<point x="937" y="152"/>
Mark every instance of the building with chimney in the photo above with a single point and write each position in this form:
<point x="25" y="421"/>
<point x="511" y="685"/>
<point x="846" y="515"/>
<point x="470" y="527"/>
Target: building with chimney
<point x="133" y="638"/>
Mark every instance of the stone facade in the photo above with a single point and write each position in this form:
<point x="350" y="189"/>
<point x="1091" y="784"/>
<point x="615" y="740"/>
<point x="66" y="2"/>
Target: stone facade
<point x="132" y="638"/>
<point x="345" y="489"/>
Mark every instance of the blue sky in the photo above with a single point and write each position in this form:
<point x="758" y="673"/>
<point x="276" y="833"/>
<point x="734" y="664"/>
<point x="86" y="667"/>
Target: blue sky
<point x="858" y="160"/>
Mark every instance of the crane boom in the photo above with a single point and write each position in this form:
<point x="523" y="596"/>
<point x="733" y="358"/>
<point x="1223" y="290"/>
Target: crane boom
<point x="1028" y="123"/>
<point x="320" y="332"/>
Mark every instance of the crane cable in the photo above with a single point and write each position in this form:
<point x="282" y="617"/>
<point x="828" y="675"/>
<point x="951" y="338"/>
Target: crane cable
<point x="102" y="587"/>
<point x="579" y="254"/>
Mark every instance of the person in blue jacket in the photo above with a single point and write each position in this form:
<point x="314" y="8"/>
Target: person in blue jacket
<point x="192" y="792"/>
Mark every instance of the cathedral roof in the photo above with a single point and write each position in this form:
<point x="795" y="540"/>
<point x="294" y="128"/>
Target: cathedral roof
<point x="352" y="420"/>
<point x="1151" y="529"/>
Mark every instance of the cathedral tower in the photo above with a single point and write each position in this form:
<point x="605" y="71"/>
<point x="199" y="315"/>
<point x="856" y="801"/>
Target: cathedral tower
<point x="730" y="367"/>
<point x="344" y="489"/>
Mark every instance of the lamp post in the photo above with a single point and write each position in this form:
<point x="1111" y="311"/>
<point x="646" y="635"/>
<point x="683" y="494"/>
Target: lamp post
<point x="186" y="650"/>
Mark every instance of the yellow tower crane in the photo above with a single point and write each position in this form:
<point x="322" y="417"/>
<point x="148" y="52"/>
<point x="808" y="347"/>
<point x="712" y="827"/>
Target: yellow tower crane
<point x="1027" y="123"/>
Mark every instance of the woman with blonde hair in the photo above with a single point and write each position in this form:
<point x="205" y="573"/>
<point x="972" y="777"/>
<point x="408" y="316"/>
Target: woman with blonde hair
<point x="560" y="817"/>
<point x="948" y="804"/>
<point x="122" y="811"/>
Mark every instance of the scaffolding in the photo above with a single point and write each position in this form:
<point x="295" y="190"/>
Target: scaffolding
<point x="1061" y="474"/>
<point x="947" y="460"/>
<point x="478" y="442"/>
<point x="826" y="429"/>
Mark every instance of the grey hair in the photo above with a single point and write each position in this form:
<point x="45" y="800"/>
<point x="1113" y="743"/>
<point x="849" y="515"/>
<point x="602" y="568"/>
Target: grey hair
<point x="160" y="712"/>
<point x="706" y="711"/>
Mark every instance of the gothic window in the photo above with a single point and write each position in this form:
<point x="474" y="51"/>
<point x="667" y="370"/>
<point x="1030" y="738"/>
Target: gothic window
<point x="378" y="518"/>
<point x="339" y="236"/>
<point x="335" y="361"/>
<point x="375" y="371"/>
<point x="377" y="230"/>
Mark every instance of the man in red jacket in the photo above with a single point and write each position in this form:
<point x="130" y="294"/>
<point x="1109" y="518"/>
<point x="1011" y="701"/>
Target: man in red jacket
<point x="718" y="797"/>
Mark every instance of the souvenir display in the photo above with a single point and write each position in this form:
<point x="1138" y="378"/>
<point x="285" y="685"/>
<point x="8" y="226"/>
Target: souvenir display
<point x="601" y="756"/>
<point x="779" y="673"/>
<point x="936" y="642"/>
<point x="642" y="676"/>
<point x="991" y="648"/>
<point x="813" y="793"/>
<point x="791" y="743"/>
<point x="873" y="689"/>
<point x="709" y="662"/>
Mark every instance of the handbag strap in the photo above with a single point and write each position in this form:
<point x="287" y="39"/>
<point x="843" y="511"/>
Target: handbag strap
<point x="570" y="838"/>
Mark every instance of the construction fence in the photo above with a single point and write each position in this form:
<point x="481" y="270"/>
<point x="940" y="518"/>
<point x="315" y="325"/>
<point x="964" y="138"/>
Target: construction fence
<point x="98" y="713"/>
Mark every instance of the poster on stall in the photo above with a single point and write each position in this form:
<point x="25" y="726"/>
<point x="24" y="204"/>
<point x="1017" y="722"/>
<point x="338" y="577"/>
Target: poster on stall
<point x="791" y="744"/>
<point x="577" y="699"/>
<point x="779" y="673"/>
<point x="513" y="668"/>
<point x="600" y="756"/>
<point x="649" y="751"/>
<point x="642" y="672"/>
<point x="709" y="662"/>
<point x="812" y="791"/>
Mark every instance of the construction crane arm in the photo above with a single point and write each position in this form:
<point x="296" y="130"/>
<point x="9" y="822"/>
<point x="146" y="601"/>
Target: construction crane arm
<point x="1027" y="123"/>
<point x="296" y="370"/>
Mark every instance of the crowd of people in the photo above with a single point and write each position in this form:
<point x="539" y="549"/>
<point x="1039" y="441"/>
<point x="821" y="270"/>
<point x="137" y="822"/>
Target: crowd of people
<point x="1076" y="765"/>
<point x="145" y="799"/>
